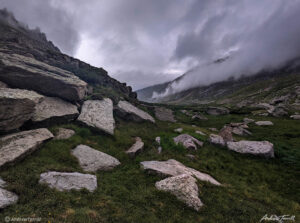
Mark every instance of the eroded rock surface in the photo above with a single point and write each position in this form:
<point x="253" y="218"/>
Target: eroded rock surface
<point x="69" y="181"/>
<point x="16" y="146"/>
<point x="64" y="133"/>
<point x="98" y="114"/>
<point x="92" y="160"/>
<point x="189" y="142"/>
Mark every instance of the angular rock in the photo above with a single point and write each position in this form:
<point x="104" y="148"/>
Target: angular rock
<point x="189" y="142"/>
<point x="2" y="183"/>
<point x="3" y="85"/>
<point x="184" y="187"/>
<point x="174" y="168"/>
<point x="27" y="73"/>
<point x="98" y="114"/>
<point x="248" y="120"/>
<point x="226" y="133"/>
<point x="68" y="181"/>
<point x="241" y="131"/>
<point x="264" y="123"/>
<point x="164" y="114"/>
<point x="136" y="148"/>
<point x="16" y="146"/>
<point x="260" y="148"/>
<point x="296" y="117"/>
<point x="54" y="108"/>
<point x="64" y="133"/>
<point x="92" y="160"/>
<point x="179" y="130"/>
<point x="217" y="111"/>
<point x="200" y="133"/>
<point x="129" y="112"/>
<point x="157" y="140"/>
<point x="278" y="111"/>
<point x="16" y="107"/>
<point x="7" y="198"/>
<point x="216" y="139"/>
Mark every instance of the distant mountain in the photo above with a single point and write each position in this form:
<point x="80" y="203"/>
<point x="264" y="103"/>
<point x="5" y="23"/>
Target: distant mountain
<point x="17" y="38"/>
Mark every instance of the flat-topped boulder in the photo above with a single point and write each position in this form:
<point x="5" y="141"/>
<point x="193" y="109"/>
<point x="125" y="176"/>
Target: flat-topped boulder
<point x="164" y="114"/>
<point x="258" y="148"/>
<point x="189" y="142"/>
<point x="184" y="187"/>
<point x="54" y="108"/>
<point x="248" y="120"/>
<point x="217" y="111"/>
<point x="136" y="148"/>
<point x="16" y="146"/>
<point x="129" y="112"/>
<point x="92" y="160"/>
<point x="174" y="168"/>
<point x="216" y="139"/>
<point x="64" y="133"/>
<point x="98" y="114"/>
<point x="7" y="198"/>
<point x="69" y="181"/>
<point x="25" y="72"/>
<point x="264" y="123"/>
<point x="16" y="107"/>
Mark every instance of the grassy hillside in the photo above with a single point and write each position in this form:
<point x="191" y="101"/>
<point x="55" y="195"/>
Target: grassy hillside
<point x="252" y="187"/>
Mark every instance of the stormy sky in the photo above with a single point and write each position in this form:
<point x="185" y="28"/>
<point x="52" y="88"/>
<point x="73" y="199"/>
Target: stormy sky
<point x="145" y="42"/>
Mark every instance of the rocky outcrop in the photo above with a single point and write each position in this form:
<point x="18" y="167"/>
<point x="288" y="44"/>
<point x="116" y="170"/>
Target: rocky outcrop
<point x="7" y="198"/>
<point x="216" y="139"/>
<point x="189" y="142"/>
<point x="164" y="114"/>
<point x="92" y="160"/>
<point x="27" y="73"/>
<point x="184" y="187"/>
<point x="16" y="146"/>
<point x="64" y="133"/>
<point x="69" y="181"/>
<point x="217" y="111"/>
<point x="16" y="107"/>
<point x="54" y="109"/>
<point x="258" y="148"/>
<point x="98" y="114"/>
<point x="136" y="148"/>
<point x="226" y="133"/>
<point x="129" y="112"/>
<point x="174" y="168"/>
<point x="264" y="123"/>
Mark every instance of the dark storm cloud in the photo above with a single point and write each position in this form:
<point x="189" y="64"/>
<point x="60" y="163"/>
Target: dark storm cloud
<point x="144" y="42"/>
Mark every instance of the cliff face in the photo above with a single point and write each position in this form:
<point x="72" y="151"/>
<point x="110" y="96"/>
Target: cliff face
<point x="17" y="38"/>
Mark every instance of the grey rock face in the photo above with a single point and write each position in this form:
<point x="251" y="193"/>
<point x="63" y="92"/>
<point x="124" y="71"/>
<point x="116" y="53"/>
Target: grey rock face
<point x="188" y="141"/>
<point x="98" y="114"/>
<point x="54" y="108"/>
<point x="260" y="148"/>
<point x="164" y="114"/>
<point x="216" y="139"/>
<point x="16" y="146"/>
<point x="69" y="181"/>
<point x="25" y="72"/>
<point x="130" y="112"/>
<point x="217" y="111"/>
<point x="184" y="187"/>
<point x="136" y="148"/>
<point x="174" y="168"/>
<point x="64" y="133"/>
<point x="16" y="107"/>
<point x="92" y="160"/>
<point x="7" y="198"/>
<point x="264" y="123"/>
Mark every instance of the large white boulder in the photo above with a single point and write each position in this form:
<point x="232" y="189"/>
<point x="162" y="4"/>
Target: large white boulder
<point x="7" y="198"/>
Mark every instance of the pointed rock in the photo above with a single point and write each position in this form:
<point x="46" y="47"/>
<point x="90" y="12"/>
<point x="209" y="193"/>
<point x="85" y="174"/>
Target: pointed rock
<point x="184" y="187"/>
<point x="136" y="148"/>
<point x="16" y="146"/>
<point x="69" y="181"/>
<point x="174" y="168"/>
<point x="92" y="160"/>
<point x="7" y="198"/>
<point x="98" y="114"/>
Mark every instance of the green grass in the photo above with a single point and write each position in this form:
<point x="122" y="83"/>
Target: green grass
<point x="252" y="186"/>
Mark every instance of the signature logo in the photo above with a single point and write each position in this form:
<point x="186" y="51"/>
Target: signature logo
<point x="279" y="219"/>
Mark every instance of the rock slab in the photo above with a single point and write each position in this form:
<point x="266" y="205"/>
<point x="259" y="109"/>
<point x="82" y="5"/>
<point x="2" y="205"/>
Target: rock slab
<point x="136" y="148"/>
<point x="98" y="114"/>
<point x="64" y="133"/>
<point x="69" y="181"/>
<point x="184" y="187"/>
<point x="7" y="198"/>
<point x="92" y="160"/>
<point x="216" y="139"/>
<point x="264" y="123"/>
<point x="16" y="146"/>
<point x="189" y="142"/>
